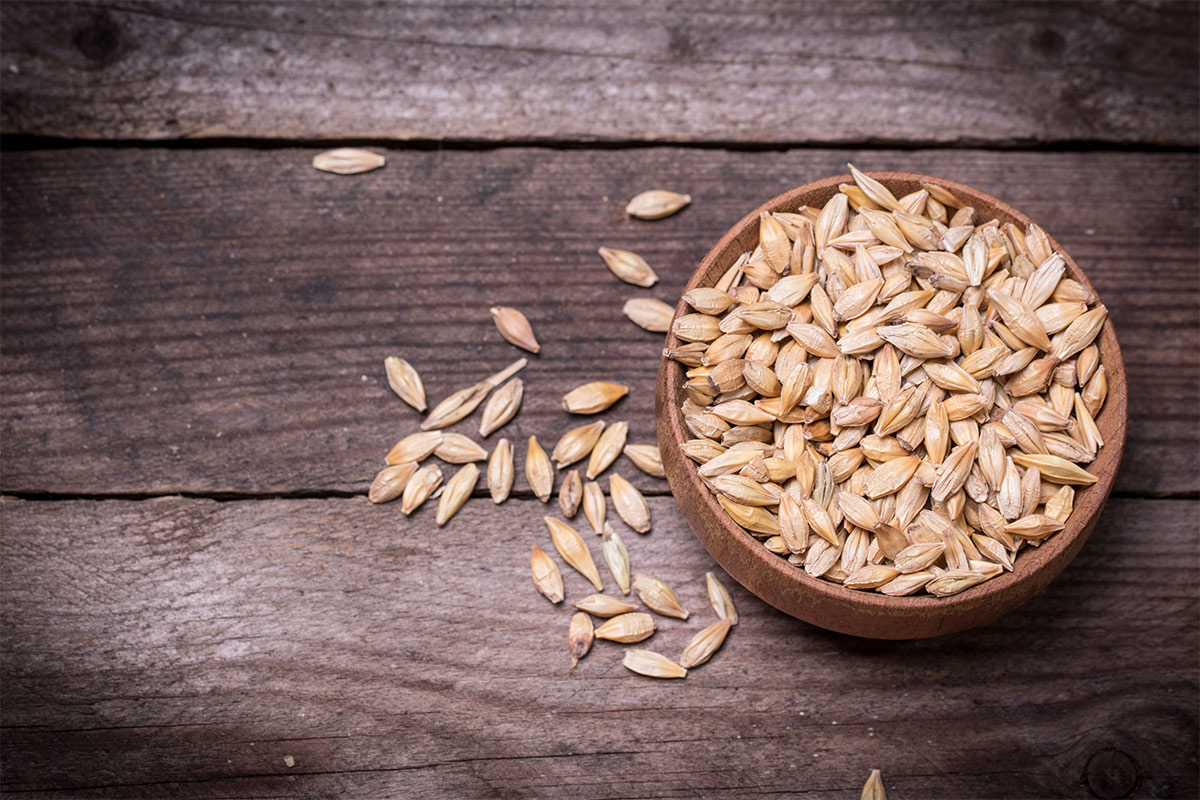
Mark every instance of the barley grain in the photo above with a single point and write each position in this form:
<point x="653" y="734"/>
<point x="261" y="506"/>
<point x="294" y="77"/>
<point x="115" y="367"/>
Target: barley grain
<point x="500" y="471"/>
<point x="607" y="448"/>
<point x="390" y="482"/>
<point x="546" y="576"/>
<point x="579" y="637"/>
<point x="953" y="581"/>
<point x="405" y="381"/>
<point x="603" y="605"/>
<point x="705" y="644"/>
<point x="629" y="267"/>
<point x="627" y="628"/>
<point x="656" y="204"/>
<point x="1055" y="469"/>
<point x="617" y="559"/>
<point x="574" y="551"/>
<point x="414" y="447"/>
<point x="576" y="443"/>
<point x="649" y="314"/>
<point x="870" y="576"/>
<point x="652" y="665"/>
<point x="658" y="596"/>
<point x="419" y="487"/>
<point x="570" y="493"/>
<point x="458" y="490"/>
<point x="501" y="407"/>
<point x="348" y="161"/>
<point x="592" y="398"/>
<point x="594" y="505"/>
<point x="629" y="503"/>
<point x="720" y="599"/>
<point x="873" y="788"/>
<point x="458" y="449"/>
<point x="538" y="470"/>
<point x="515" y="328"/>
<point x="647" y="458"/>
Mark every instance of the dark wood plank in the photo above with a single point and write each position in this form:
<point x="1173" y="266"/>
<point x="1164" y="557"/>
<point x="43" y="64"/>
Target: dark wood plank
<point x="184" y="647"/>
<point x="764" y="72"/>
<point x="216" y="321"/>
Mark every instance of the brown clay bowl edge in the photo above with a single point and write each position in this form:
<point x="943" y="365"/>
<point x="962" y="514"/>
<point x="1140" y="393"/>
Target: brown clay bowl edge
<point x="829" y="605"/>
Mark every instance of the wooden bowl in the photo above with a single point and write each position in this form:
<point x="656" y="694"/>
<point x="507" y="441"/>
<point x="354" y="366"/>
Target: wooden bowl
<point x="828" y="604"/>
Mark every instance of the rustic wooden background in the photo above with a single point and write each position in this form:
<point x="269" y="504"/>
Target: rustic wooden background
<point x="193" y="323"/>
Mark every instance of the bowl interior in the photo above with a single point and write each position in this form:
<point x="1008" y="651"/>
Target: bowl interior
<point x="772" y="577"/>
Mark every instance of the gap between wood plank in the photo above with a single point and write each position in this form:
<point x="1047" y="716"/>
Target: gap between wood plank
<point x="230" y="497"/>
<point x="23" y="142"/>
<point x="334" y="494"/>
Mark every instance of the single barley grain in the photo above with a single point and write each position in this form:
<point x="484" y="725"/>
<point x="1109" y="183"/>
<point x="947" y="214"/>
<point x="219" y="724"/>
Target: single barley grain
<point x="419" y="487"/>
<point x="658" y="597"/>
<point x="617" y="558"/>
<point x="652" y="665"/>
<point x="953" y="581"/>
<point x="627" y="628"/>
<point x="705" y="644"/>
<point x="458" y="449"/>
<point x="647" y="458"/>
<point x="629" y="267"/>
<point x="538" y="470"/>
<point x="603" y="605"/>
<point x="414" y="447"/>
<point x="579" y="637"/>
<point x="501" y="407"/>
<point x="574" y="551"/>
<point x="607" y="448"/>
<point x="576" y="443"/>
<point x="594" y="505"/>
<point x="1056" y="469"/>
<point x="515" y="328"/>
<point x="546" y="576"/>
<point x="592" y="398"/>
<point x="458" y="490"/>
<point x="348" y="161"/>
<point x="405" y="382"/>
<point x="649" y="314"/>
<point x="656" y="204"/>
<point x="390" y="482"/>
<point x="718" y="596"/>
<point x="873" y="788"/>
<point x="570" y="493"/>
<point x="630" y="504"/>
<point x="500" y="471"/>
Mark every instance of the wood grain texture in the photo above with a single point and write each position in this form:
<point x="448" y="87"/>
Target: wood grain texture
<point x="182" y="647"/>
<point x="852" y="72"/>
<point x="216" y="320"/>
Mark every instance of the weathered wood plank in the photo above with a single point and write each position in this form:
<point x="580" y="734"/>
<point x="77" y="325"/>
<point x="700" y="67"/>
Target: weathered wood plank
<point x="216" y="321"/>
<point x="776" y="72"/>
<point x="183" y="647"/>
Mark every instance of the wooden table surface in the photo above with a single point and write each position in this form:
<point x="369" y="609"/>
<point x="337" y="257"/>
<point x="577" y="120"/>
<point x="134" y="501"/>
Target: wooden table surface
<point x="193" y="323"/>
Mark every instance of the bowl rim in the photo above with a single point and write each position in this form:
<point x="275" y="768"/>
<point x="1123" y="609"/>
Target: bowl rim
<point x="1033" y="560"/>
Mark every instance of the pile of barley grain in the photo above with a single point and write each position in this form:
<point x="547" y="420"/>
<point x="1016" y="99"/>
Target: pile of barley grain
<point x="893" y="395"/>
<point x="600" y="443"/>
<point x="887" y="392"/>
